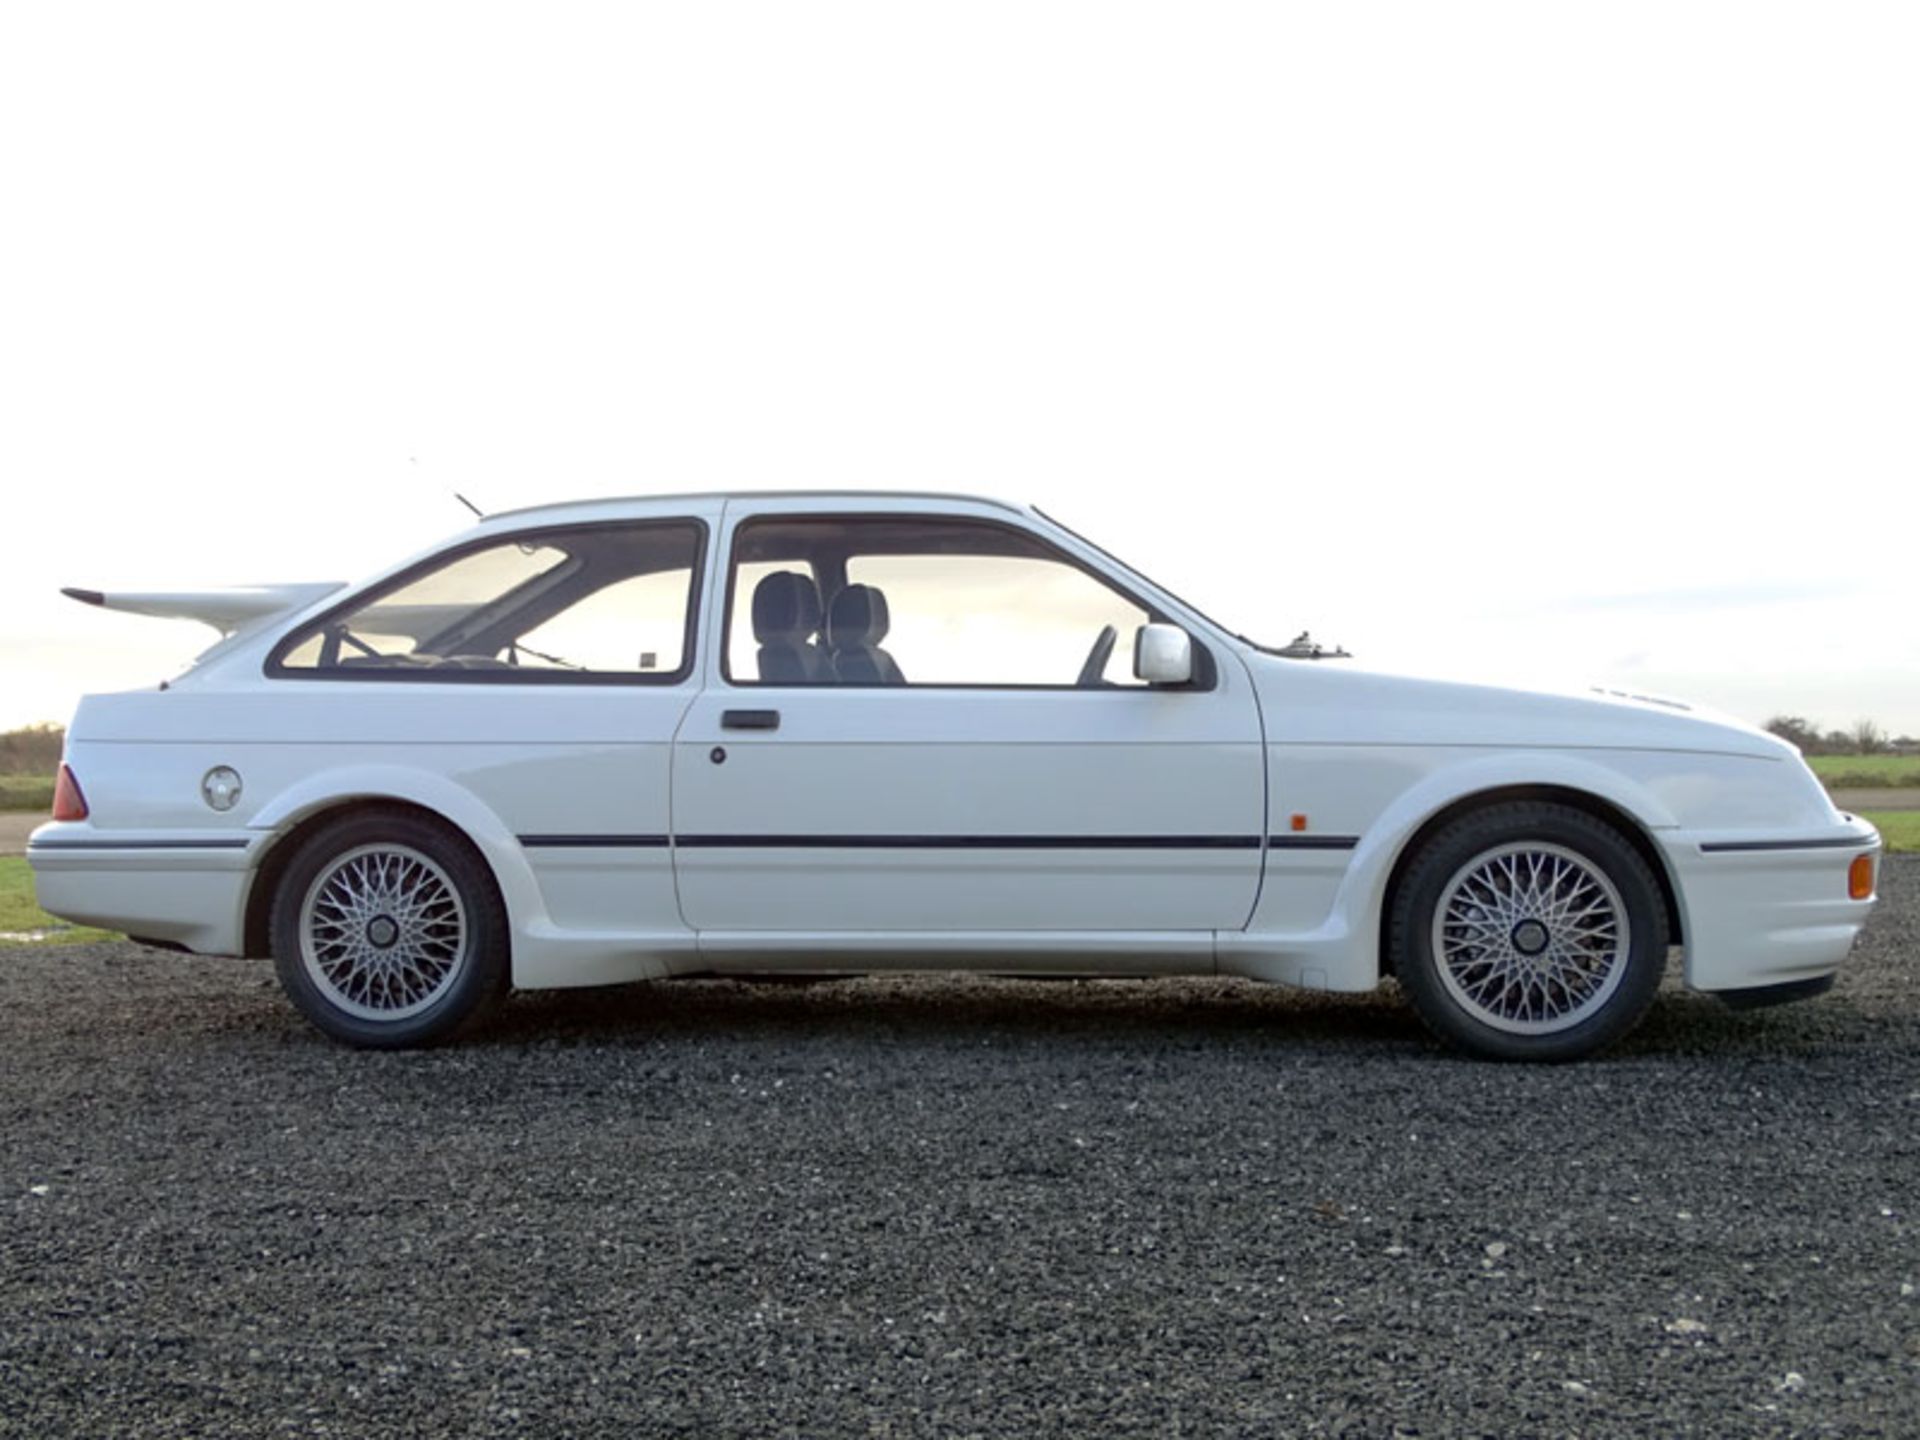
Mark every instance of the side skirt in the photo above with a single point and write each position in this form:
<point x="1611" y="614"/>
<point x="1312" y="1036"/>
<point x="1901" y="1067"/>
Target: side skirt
<point x="1066" y="952"/>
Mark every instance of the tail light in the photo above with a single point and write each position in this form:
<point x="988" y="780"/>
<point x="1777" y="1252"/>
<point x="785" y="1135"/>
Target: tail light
<point x="68" y="802"/>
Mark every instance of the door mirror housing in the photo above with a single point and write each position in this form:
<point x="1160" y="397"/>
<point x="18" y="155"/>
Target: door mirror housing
<point x="1162" y="655"/>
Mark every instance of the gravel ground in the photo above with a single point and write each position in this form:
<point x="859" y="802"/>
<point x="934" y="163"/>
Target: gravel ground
<point x="948" y="1207"/>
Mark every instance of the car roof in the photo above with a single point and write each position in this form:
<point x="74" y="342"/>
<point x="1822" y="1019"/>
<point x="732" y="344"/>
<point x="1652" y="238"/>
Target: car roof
<point x="716" y="497"/>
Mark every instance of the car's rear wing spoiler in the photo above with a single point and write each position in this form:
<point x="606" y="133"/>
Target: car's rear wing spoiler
<point x="226" y="610"/>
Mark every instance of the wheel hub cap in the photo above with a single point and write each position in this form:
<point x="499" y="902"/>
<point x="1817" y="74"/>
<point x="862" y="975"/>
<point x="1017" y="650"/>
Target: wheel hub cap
<point x="383" y="932"/>
<point x="1531" y="938"/>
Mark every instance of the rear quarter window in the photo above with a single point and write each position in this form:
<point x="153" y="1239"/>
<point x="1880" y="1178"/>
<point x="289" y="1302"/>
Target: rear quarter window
<point x="607" y="602"/>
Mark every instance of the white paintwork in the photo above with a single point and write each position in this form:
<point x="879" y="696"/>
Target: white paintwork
<point x="226" y="610"/>
<point x="1358" y="754"/>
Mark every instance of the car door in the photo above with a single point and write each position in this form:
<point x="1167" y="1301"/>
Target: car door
<point x="938" y="769"/>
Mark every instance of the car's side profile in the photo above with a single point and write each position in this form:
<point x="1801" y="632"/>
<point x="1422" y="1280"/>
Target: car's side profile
<point x="837" y="733"/>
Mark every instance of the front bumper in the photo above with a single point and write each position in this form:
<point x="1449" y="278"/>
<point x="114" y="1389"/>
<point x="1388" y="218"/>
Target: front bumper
<point x="1768" y="911"/>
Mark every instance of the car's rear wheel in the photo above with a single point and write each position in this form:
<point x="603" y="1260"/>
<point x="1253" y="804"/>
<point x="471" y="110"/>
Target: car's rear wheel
<point x="388" y="931"/>
<point x="1528" y="931"/>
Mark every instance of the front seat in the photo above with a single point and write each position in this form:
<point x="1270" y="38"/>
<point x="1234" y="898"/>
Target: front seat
<point x="856" y="624"/>
<point x="786" y="612"/>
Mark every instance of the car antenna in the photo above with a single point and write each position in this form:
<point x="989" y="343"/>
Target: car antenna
<point x="470" y="505"/>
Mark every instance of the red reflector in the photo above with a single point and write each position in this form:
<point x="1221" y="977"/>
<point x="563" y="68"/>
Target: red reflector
<point x="68" y="802"/>
<point x="1860" y="878"/>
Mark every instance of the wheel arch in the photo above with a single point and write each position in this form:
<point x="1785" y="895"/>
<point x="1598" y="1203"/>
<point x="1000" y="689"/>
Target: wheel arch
<point x="292" y="817"/>
<point x="264" y="884"/>
<point x="1609" y="813"/>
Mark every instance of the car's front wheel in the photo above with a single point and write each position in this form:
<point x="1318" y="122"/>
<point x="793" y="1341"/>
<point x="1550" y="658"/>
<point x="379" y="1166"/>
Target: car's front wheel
<point x="1528" y="931"/>
<point x="388" y="931"/>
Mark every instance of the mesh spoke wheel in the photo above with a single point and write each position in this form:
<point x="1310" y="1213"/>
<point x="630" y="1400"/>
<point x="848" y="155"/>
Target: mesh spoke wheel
<point x="383" y="932"/>
<point x="1531" y="938"/>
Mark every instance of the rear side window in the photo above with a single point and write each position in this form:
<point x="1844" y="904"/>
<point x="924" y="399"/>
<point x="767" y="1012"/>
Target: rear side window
<point x="587" y="603"/>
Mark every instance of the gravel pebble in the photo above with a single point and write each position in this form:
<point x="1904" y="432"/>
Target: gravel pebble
<point x="948" y="1206"/>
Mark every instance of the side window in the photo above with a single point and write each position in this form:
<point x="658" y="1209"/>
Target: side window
<point x="591" y="602"/>
<point x="997" y="619"/>
<point x="639" y="623"/>
<point x="907" y="601"/>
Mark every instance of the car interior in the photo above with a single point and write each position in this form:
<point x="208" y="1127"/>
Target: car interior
<point x="802" y="644"/>
<point x="813" y="622"/>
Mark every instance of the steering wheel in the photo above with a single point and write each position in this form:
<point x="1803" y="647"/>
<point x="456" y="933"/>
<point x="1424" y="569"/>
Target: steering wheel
<point x="1097" y="658"/>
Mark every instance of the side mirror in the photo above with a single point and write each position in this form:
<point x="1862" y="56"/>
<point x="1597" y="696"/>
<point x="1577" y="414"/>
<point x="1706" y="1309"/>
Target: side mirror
<point x="1162" y="655"/>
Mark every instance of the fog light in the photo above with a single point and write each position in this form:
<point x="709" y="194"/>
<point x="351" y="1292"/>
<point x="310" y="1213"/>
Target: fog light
<point x="1860" y="878"/>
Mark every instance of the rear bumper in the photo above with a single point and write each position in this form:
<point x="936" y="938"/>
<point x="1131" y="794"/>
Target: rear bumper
<point x="187" y="889"/>
<point x="1769" y="912"/>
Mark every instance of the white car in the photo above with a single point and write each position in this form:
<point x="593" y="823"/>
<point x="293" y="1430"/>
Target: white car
<point x="822" y="734"/>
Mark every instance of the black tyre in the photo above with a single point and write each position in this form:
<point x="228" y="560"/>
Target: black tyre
<point x="388" y="931"/>
<point x="1528" y="931"/>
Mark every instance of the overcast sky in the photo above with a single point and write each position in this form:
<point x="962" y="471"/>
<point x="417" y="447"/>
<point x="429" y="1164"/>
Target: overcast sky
<point x="1548" y="342"/>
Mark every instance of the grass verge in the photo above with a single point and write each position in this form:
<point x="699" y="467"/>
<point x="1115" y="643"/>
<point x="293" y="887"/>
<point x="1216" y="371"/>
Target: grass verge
<point x="26" y="792"/>
<point x="1866" y="772"/>
<point x="20" y="916"/>
<point x="1899" y="828"/>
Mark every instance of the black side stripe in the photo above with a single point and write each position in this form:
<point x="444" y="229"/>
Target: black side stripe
<point x="968" y="842"/>
<point x="941" y="842"/>
<point x="1825" y="842"/>
<point x="593" y="842"/>
<point x="139" y="845"/>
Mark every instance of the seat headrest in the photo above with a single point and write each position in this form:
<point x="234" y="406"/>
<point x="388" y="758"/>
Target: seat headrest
<point x="858" y="617"/>
<point x="786" y="608"/>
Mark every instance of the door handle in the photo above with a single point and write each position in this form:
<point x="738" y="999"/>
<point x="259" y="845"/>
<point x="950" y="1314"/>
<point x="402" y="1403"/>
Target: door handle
<point x="749" y="719"/>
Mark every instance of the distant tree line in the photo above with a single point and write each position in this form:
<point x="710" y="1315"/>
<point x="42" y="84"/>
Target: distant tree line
<point x="1864" y="737"/>
<point x="34" y="750"/>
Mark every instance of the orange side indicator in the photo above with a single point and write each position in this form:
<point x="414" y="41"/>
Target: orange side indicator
<point x="1860" y="878"/>
<point x="1297" y="823"/>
